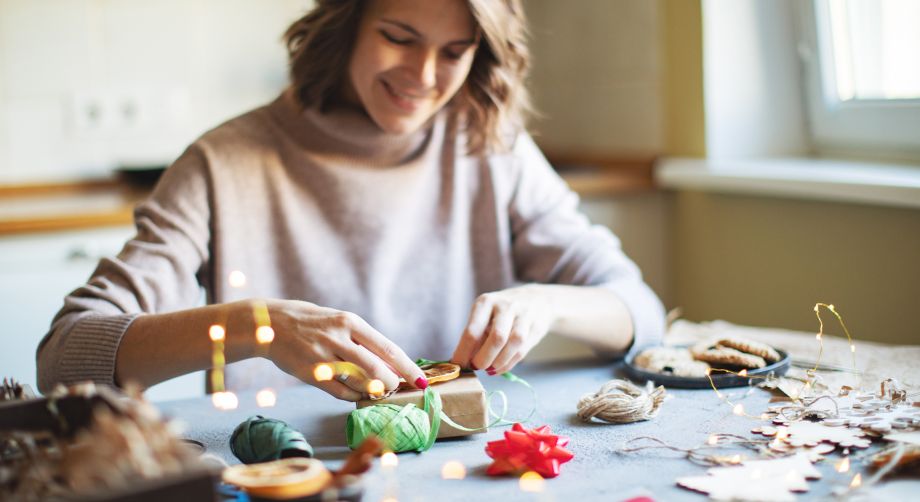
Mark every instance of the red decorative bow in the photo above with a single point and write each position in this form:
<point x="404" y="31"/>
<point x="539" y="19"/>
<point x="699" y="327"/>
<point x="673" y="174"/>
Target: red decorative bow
<point x="528" y="449"/>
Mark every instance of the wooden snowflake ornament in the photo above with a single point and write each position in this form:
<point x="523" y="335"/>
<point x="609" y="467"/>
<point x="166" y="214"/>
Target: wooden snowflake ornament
<point x="756" y="480"/>
<point x="878" y="415"/>
<point x="813" y="433"/>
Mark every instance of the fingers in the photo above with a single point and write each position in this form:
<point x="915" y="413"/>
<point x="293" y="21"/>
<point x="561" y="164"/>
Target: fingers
<point x="513" y="348"/>
<point x="379" y="352"/>
<point x="474" y="334"/>
<point x="510" y="364"/>
<point x="495" y="340"/>
<point x="339" y="390"/>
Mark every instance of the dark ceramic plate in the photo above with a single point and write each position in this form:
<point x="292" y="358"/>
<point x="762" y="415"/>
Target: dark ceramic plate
<point x="720" y="379"/>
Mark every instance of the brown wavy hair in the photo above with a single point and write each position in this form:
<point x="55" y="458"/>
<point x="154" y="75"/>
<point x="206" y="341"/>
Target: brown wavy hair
<point x="493" y="101"/>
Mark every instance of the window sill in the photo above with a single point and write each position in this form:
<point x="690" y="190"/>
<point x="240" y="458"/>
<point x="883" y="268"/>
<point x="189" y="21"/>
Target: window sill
<point x="817" y="179"/>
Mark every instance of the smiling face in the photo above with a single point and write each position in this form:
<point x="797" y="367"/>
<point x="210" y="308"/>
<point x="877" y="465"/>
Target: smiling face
<point x="409" y="59"/>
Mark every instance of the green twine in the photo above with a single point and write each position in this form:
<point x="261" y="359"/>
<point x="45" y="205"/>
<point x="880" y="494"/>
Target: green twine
<point x="408" y="428"/>
<point x="401" y="428"/>
<point x="261" y="439"/>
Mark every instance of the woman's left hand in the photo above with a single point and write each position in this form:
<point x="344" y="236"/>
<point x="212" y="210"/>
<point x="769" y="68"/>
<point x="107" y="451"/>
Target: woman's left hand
<point x="503" y="327"/>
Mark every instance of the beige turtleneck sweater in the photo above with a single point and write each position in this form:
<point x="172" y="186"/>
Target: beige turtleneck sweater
<point x="405" y="231"/>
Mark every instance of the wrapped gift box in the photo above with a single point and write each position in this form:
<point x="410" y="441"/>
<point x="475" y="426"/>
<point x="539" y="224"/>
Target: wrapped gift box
<point x="463" y="398"/>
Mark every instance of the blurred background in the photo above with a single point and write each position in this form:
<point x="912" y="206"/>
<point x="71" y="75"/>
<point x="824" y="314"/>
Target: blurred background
<point x="754" y="156"/>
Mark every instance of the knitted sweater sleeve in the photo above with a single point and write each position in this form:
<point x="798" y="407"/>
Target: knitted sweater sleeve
<point x="156" y="271"/>
<point x="553" y="242"/>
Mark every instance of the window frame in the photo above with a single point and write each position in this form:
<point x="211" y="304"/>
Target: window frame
<point x="877" y="128"/>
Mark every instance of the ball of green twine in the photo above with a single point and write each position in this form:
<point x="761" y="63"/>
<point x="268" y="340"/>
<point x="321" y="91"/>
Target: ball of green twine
<point x="401" y="428"/>
<point x="261" y="439"/>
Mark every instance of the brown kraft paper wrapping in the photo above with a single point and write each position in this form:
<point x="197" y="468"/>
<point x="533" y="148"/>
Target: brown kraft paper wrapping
<point x="463" y="399"/>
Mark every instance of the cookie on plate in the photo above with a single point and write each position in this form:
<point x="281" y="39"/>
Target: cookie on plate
<point x="753" y="347"/>
<point x="675" y="361"/>
<point x="721" y="356"/>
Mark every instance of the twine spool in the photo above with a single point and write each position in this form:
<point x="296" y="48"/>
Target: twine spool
<point x="401" y="428"/>
<point x="261" y="439"/>
<point x="621" y="402"/>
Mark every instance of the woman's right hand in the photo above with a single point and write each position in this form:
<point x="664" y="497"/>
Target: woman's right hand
<point x="307" y="334"/>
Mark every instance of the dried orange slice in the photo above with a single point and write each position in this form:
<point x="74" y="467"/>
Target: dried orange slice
<point x="280" y="479"/>
<point x="441" y="372"/>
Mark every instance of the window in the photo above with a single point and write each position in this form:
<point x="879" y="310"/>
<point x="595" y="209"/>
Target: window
<point x="863" y="76"/>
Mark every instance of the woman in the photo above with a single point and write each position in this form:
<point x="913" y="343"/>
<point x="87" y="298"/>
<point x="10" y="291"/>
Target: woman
<point x="385" y="209"/>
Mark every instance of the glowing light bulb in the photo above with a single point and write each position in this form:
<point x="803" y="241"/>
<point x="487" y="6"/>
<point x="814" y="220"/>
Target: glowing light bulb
<point x="217" y="333"/>
<point x="375" y="387"/>
<point x="713" y="440"/>
<point x="531" y="482"/>
<point x="266" y="398"/>
<point x="322" y="372"/>
<point x="857" y="481"/>
<point x="225" y="400"/>
<point x="738" y="409"/>
<point x="853" y="349"/>
<point x="843" y="465"/>
<point x="743" y="373"/>
<point x="782" y="433"/>
<point x="265" y="334"/>
<point x="736" y="459"/>
<point x="818" y="337"/>
<point x="236" y="279"/>
<point x="718" y="394"/>
<point x="453" y="470"/>
<point x="389" y="460"/>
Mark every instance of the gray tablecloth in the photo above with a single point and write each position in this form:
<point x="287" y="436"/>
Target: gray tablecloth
<point x="597" y="472"/>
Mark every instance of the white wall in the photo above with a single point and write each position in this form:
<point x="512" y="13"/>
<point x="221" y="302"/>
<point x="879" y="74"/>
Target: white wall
<point x="183" y="66"/>
<point x="597" y="76"/>
<point x="752" y="80"/>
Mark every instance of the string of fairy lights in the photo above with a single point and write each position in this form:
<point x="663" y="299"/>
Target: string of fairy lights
<point x="221" y="398"/>
<point x="797" y="396"/>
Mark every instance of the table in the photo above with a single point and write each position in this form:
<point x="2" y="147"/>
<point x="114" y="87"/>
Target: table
<point x="597" y="472"/>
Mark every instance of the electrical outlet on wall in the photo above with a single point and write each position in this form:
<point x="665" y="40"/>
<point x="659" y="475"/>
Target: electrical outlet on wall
<point x="86" y="112"/>
<point x="107" y="112"/>
<point x="129" y="110"/>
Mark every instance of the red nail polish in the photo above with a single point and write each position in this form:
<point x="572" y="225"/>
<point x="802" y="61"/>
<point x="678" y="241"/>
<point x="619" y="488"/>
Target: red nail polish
<point x="491" y="369"/>
<point x="421" y="383"/>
